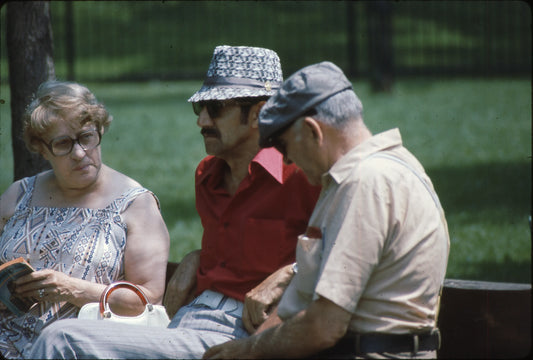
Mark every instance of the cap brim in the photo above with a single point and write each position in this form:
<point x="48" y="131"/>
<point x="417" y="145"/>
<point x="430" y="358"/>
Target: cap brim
<point x="223" y="93"/>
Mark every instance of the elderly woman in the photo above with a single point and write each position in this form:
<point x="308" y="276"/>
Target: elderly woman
<point x="81" y="225"/>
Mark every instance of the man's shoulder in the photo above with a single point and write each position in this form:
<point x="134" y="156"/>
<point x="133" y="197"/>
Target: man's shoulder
<point x="206" y="166"/>
<point x="207" y="160"/>
<point x="206" y="163"/>
<point x="388" y="168"/>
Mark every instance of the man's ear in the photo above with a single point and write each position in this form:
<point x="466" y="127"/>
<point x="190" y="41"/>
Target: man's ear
<point x="316" y="130"/>
<point x="253" y="116"/>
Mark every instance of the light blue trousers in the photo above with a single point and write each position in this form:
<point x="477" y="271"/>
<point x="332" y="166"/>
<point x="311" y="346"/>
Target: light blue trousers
<point x="210" y="319"/>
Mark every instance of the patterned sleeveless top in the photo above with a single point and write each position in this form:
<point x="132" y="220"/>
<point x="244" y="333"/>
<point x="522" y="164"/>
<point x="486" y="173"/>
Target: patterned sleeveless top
<point x="83" y="243"/>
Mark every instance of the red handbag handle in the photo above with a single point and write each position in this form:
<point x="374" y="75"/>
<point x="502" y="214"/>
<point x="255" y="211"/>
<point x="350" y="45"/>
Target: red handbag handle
<point x="120" y="285"/>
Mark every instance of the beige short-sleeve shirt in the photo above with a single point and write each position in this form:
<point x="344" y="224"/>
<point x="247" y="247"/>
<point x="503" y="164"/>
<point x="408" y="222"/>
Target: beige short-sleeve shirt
<point x="384" y="242"/>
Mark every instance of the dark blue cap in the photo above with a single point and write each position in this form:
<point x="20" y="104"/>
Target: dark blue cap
<point x="299" y="93"/>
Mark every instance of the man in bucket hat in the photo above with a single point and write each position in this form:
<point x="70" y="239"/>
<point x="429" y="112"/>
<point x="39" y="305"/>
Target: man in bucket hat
<point x="373" y="258"/>
<point x="252" y="207"/>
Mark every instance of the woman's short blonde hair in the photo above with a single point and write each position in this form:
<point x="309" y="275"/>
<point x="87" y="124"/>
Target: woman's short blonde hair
<point x="57" y="101"/>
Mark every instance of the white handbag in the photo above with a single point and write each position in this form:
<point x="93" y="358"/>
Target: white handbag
<point x="153" y="315"/>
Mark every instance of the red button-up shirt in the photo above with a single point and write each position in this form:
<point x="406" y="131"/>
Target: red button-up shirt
<point x="253" y="233"/>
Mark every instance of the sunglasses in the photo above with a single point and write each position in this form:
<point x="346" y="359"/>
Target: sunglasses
<point x="214" y="107"/>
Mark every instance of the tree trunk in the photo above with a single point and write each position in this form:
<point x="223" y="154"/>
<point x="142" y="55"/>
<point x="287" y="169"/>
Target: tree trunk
<point x="30" y="56"/>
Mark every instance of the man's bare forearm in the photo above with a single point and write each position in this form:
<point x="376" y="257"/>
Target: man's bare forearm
<point x="312" y="330"/>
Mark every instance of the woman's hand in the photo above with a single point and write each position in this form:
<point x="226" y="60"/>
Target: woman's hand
<point x="47" y="285"/>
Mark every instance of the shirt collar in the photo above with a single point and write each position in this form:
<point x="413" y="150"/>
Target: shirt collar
<point x="272" y="161"/>
<point x="379" y="142"/>
<point x="269" y="159"/>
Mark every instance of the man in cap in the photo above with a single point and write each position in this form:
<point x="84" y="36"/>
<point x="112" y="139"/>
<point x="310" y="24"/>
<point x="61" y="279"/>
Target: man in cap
<point x="252" y="207"/>
<point x="373" y="259"/>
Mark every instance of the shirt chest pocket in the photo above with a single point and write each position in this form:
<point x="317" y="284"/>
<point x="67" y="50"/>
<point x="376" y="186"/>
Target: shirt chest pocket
<point x="266" y="244"/>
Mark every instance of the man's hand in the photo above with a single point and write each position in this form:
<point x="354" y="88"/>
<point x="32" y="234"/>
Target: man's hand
<point x="182" y="285"/>
<point x="261" y="300"/>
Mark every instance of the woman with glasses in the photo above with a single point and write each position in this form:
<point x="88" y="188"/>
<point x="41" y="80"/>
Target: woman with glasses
<point x="80" y="225"/>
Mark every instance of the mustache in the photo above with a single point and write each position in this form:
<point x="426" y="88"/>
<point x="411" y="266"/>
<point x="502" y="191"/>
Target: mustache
<point x="210" y="132"/>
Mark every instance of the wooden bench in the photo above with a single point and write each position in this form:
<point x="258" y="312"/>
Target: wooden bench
<point x="485" y="320"/>
<point x="479" y="319"/>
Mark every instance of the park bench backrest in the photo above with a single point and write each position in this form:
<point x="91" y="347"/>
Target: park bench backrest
<point x="485" y="320"/>
<point x="479" y="320"/>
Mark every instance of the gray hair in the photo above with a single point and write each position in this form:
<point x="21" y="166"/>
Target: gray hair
<point x="339" y="109"/>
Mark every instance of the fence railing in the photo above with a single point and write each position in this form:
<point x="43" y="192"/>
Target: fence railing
<point x="137" y="40"/>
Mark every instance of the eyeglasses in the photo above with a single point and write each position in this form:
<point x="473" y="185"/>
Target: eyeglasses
<point x="214" y="107"/>
<point x="63" y="145"/>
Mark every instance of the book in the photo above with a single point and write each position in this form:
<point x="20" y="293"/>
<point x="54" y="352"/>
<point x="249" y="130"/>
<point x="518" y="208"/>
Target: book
<point x="9" y="272"/>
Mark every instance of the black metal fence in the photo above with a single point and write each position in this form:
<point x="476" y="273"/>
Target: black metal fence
<point x="141" y="40"/>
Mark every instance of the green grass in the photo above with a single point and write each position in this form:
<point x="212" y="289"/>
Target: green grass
<point x="473" y="136"/>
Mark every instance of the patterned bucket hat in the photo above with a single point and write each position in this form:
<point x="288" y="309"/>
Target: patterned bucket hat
<point x="240" y="71"/>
